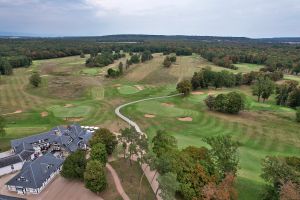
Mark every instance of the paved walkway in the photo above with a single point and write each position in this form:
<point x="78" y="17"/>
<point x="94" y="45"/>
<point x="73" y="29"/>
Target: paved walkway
<point x="148" y="173"/>
<point x="117" y="181"/>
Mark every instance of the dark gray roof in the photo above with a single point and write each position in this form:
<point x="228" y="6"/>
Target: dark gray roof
<point x="10" y="160"/>
<point x="21" y="156"/>
<point x="34" y="173"/>
<point x="69" y="137"/>
<point x="4" y="197"/>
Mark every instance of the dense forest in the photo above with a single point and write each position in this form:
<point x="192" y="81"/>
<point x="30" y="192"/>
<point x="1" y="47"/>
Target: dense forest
<point x="275" y="54"/>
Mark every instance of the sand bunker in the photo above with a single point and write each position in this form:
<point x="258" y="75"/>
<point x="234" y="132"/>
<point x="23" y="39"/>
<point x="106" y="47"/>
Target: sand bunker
<point x="211" y="93"/>
<point x="185" y="119"/>
<point x="149" y="116"/>
<point x="44" y="114"/>
<point x="139" y="87"/>
<point x="197" y="92"/>
<point x="16" y="112"/>
<point x="167" y="104"/>
<point x="68" y="105"/>
<point x="74" y="119"/>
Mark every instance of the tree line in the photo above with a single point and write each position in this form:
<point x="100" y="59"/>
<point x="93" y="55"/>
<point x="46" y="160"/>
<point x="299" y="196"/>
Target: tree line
<point x="275" y="57"/>
<point x="279" y="56"/>
<point x="103" y="59"/>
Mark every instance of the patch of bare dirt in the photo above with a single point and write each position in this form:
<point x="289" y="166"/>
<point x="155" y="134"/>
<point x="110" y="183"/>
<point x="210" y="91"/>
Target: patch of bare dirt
<point x="16" y="112"/>
<point x="139" y="87"/>
<point x="185" y="119"/>
<point x="44" y="114"/>
<point x="74" y="119"/>
<point x="243" y="117"/>
<point x="211" y="93"/>
<point x="149" y="115"/>
<point x="117" y="85"/>
<point x="68" y="105"/>
<point x="168" y="104"/>
<point x="197" y="93"/>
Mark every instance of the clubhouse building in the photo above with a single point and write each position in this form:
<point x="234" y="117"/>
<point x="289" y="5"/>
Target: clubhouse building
<point x="40" y="157"/>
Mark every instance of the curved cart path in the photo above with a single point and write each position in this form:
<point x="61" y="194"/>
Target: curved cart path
<point x="117" y="181"/>
<point x="149" y="174"/>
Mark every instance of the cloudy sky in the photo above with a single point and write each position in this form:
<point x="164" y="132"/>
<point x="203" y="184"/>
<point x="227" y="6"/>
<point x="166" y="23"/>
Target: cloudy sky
<point x="252" y="18"/>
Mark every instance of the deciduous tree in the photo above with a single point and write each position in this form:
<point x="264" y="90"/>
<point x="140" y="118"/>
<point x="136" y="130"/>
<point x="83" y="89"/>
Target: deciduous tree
<point x="184" y="87"/>
<point x="162" y="143"/>
<point x="94" y="176"/>
<point x="224" y="154"/>
<point x="168" y="185"/>
<point x="35" y="79"/>
<point x="98" y="152"/>
<point x="106" y="137"/>
<point x="263" y="88"/>
<point x="74" y="165"/>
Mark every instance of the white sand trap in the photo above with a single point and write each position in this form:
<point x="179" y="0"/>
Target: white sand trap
<point x="211" y="93"/>
<point x="44" y="114"/>
<point x="16" y="112"/>
<point x="74" y="119"/>
<point x="139" y="87"/>
<point x="167" y="104"/>
<point x="149" y="116"/>
<point x="185" y="119"/>
<point x="197" y="93"/>
<point x="68" y="105"/>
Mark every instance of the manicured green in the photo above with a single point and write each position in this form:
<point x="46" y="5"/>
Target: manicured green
<point x="127" y="89"/>
<point x="72" y="111"/>
<point x="259" y="135"/>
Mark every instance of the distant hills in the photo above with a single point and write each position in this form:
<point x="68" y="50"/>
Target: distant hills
<point x="143" y="38"/>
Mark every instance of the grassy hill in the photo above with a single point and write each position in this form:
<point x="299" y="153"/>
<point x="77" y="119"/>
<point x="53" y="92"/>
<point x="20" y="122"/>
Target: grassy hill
<point x="70" y="93"/>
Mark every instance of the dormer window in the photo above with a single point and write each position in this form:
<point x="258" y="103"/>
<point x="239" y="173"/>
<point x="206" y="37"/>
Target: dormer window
<point x="22" y="179"/>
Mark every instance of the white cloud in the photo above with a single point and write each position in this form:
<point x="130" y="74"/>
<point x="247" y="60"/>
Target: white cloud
<point x="134" y="7"/>
<point x="259" y="18"/>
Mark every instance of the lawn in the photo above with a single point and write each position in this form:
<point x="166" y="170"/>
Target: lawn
<point x="127" y="89"/>
<point x="247" y="67"/>
<point x="130" y="179"/>
<point x="70" y="111"/>
<point x="263" y="129"/>
<point x="292" y="77"/>
<point x="66" y="92"/>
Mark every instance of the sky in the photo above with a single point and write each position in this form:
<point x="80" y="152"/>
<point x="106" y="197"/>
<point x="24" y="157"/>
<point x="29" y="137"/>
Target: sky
<point x="249" y="18"/>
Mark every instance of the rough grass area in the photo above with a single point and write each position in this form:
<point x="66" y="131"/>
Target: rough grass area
<point x="247" y="67"/>
<point x="130" y="179"/>
<point x="110" y="192"/>
<point x="292" y="77"/>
